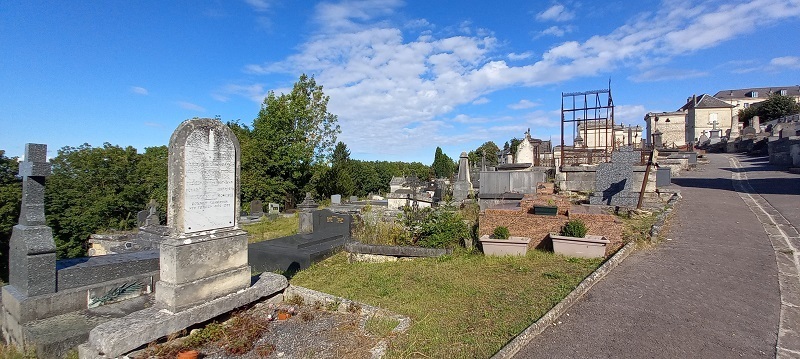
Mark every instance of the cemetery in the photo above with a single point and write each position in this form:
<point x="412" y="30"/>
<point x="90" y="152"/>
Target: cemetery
<point x="407" y="256"/>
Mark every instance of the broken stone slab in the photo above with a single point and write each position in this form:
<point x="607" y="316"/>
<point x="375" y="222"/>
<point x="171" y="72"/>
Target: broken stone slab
<point x="119" y="336"/>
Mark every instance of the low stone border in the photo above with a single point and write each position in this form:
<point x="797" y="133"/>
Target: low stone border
<point x="513" y="347"/>
<point x="661" y="218"/>
<point x="344" y="305"/>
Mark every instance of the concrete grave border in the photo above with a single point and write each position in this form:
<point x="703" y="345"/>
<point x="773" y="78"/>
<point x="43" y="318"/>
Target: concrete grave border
<point x="367" y="311"/>
<point x="550" y="318"/>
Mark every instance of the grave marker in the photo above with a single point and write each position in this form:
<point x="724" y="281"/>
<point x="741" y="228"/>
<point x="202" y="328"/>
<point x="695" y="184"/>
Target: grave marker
<point x="256" y="208"/>
<point x="32" y="250"/>
<point x="205" y="254"/>
<point x="614" y="180"/>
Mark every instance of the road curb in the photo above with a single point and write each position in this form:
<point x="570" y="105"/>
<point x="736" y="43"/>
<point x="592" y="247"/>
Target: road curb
<point x="550" y="318"/>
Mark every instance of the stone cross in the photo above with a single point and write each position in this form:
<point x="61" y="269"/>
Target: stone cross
<point x="32" y="251"/>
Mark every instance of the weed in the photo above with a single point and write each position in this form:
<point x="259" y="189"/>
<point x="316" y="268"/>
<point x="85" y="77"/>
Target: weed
<point x="333" y="306"/>
<point x="353" y="307"/>
<point x="11" y="352"/>
<point x="295" y="300"/>
<point x="263" y="350"/>
<point x="306" y="316"/>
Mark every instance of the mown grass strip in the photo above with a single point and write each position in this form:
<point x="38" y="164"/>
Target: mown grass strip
<point x="271" y="229"/>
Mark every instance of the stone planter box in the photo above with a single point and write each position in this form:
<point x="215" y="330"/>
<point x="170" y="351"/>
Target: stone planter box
<point x="513" y="246"/>
<point x="586" y="247"/>
<point x="545" y="210"/>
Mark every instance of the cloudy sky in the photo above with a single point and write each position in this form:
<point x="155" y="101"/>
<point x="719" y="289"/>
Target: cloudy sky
<point x="403" y="76"/>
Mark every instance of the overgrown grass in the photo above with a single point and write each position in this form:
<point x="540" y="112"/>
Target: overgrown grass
<point x="11" y="352"/>
<point x="271" y="229"/>
<point x="637" y="227"/>
<point x="463" y="306"/>
<point x="381" y="326"/>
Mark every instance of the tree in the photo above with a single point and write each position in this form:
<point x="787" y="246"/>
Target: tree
<point x="490" y="148"/>
<point x="94" y="189"/>
<point x="10" y="202"/>
<point x="338" y="179"/>
<point x="776" y="106"/>
<point x="291" y="133"/>
<point x="442" y="166"/>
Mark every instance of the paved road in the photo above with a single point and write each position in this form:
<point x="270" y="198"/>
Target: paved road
<point x="712" y="290"/>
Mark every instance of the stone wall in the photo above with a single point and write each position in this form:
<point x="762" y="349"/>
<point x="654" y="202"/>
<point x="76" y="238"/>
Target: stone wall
<point x="785" y="151"/>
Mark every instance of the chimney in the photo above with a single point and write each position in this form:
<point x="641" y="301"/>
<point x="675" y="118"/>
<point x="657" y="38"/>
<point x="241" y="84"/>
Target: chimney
<point x="694" y="100"/>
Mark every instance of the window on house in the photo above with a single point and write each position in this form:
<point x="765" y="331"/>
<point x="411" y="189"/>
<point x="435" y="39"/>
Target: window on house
<point x="783" y="92"/>
<point x="753" y="93"/>
<point x="746" y="105"/>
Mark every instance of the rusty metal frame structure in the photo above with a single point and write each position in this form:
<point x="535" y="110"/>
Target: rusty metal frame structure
<point x="583" y="110"/>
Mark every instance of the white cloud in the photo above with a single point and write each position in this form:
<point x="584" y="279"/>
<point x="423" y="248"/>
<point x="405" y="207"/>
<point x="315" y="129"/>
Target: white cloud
<point x="556" y="12"/>
<point x="629" y="114"/>
<point x="522" y="104"/>
<point x="481" y="101"/>
<point x="791" y="62"/>
<point x="259" y="5"/>
<point x="378" y="79"/>
<point x="254" y="92"/>
<point x="516" y="57"/>
<point x="190" y="106"/>
<point x="139" y="90"/>
<point x="557" y="31"/>
<point x="664" y="74"/>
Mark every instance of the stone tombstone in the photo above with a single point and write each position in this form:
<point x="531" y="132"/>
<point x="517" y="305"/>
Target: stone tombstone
<point x="141" y="218"/>
<point x="273" y="208"/>
<point x="306" y="207"/>
<point x="336" y="199"/>
<point x="256" y="208"/>
<point x="353" y="199"/>
<point x="204" y="256"/>
<point x="463" y="186"/>
<point x="614" y="180"/>
<point x="330" y="224"/>
<point x="755" y="122"/>
<point x="32" y="250"/>
<point x="749" y="132"/>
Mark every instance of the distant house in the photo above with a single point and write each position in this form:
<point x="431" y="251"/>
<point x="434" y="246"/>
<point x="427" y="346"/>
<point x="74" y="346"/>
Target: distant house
<point x="672" y="126"/>
<point x="744" y="98"/>
<point x="534" y="152"/>
<point x="704" y="113"/>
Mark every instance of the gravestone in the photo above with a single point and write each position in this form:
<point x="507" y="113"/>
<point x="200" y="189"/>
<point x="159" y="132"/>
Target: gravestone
<point x="714" y="138"/>
<point x="205" y="254"/>
<point x="614" y="180"/>
<point x="749" y="132"/>
<point x="149" y="216"/>
<point x="273" y="208"/>
<point x="32" y="250"/>
<point x="353" y="199"/>
<point x="306" y="219"/>
<point x="703" y="140"/>
<point x="463" y="186"/>
<point x="256" y="208"/>
<point x="330" y="224"/>
<point x="336" y="199"/>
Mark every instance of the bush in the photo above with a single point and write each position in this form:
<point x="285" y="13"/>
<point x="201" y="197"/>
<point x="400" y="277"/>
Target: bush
<point x="441" y="227"/>
<point x="574" y="228"/>
<point x="500" y="233"/>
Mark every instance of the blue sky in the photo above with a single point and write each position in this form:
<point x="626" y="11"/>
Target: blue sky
<point x="403" y="76"/>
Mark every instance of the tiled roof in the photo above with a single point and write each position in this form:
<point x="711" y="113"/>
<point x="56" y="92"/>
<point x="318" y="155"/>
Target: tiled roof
<point x="706" y="101"/>
<point x="763" y="92"/>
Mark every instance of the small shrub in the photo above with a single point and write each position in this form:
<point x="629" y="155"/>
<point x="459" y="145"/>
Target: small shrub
<point x="501" y="232"/>
<point x="574" y="228"/>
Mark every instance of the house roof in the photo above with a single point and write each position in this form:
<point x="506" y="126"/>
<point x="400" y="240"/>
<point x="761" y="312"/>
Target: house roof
<point x="705" y="101"/>
<point x="763" y="92"/>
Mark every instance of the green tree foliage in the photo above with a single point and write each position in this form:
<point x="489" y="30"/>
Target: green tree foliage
<point x="291" y="134"/>
<point x="10" y="201"/>
<point x="443" y="166"/>
<point x="96" y="189"/>
<point x="776" y="106"/>
<point x="338" y="179"/>
<point x="490" y="148"/>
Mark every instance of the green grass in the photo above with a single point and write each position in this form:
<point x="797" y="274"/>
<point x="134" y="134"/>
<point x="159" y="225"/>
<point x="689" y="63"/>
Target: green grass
<point x="267" y="229"/>
<point x="11" y="352"/>
<point x="461" y="306"/>
<point x="381" y="326"/>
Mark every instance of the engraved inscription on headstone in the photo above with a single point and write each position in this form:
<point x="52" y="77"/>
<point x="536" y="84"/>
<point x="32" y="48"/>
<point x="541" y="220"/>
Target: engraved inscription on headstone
<point x="209" y="182"/>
